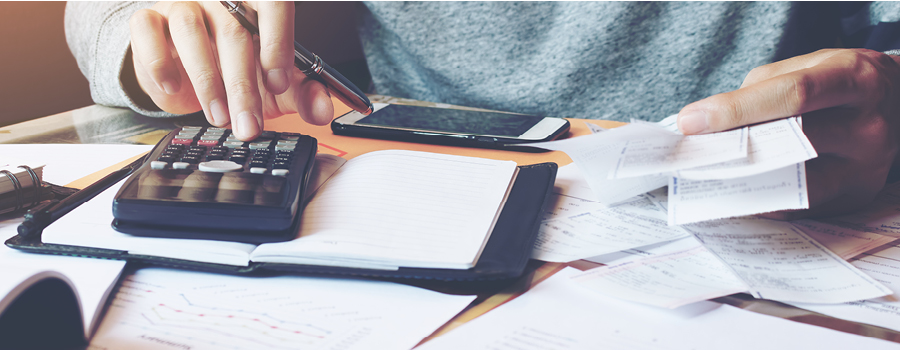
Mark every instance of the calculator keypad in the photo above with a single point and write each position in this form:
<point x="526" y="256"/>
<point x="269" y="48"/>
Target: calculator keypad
<point x="271" y="153"/>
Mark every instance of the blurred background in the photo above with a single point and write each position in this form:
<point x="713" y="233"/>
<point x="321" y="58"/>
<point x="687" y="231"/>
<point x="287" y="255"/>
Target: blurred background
<point x="39" y="76"/>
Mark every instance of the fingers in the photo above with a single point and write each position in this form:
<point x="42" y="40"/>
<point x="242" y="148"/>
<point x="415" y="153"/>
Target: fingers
<point x="276" y="35"/>
<point x="237" y="62"/>
<point x="187" y="26"/>
<point x="771" y="70"/>
<point x="786" y="95"/>
<point x="310" y="99"/>
<point x="151" y="51"/>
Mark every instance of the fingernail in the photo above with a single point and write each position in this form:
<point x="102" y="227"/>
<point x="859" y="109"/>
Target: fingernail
<point x="693" y="122"/>
<point x="169" y="87"/>
<point x="277" y="80"/>
<point x="219" y="113"/>
<point x="247" y="126"/>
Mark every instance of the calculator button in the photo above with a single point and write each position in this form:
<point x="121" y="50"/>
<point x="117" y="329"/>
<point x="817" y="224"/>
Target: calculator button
<point x="281" y="165"/>
<point x="233" y="144"/>
<point x="180" y="165"/>
<point x="268" y="134"/>
<point x="279" y="172"/>
<point x="208" y="142"/>
<point x="258" y="164"/>
<point x="215" y="157"/>
<point x="182" y="141"/>
<point x="290" y="137"/>
<point x="285" y="147"/>
<point x="166" y="159"/>
<point x="158" y="165"/>
<point x="215" y="129"/>
<point x="211" y="137"/>
<point x="191" y="127"/>
<point x="219" y="166"/>
<point x="260" y="145"/>
<point x="191" y="159"/>
<point x="258" y="170"/>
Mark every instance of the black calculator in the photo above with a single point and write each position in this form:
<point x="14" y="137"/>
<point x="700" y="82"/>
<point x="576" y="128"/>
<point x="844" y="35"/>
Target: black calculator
<point x="204" y="183"/>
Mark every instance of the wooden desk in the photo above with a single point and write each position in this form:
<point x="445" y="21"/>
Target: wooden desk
<point x="97" y="124"/>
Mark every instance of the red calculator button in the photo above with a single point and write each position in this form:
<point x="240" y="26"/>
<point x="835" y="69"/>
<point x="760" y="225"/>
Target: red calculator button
<point x="208" y="142"/>
<point x="182" y="141"/>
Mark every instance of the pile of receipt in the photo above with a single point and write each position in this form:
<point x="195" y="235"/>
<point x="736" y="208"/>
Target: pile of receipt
<point x="670" y="217"/>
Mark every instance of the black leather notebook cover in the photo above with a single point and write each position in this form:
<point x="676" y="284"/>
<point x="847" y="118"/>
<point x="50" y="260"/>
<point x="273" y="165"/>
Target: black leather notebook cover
<point x="505" y="255"/>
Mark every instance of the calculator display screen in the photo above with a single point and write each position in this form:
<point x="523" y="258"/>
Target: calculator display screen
<point x="451" y="120"/>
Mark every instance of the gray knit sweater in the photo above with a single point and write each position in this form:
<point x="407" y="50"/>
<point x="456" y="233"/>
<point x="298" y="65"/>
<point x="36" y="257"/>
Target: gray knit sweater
<point x="597" y="60"/>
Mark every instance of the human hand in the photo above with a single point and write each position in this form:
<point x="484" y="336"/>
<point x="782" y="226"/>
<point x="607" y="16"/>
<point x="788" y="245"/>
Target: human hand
<point x="850" y="102"/>
<point x="189" y="56"/>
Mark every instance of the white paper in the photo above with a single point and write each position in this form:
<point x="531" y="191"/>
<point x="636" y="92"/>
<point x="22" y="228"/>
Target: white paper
<point x="69" y="162"/>
<point x="93" y="278"/>
<point x="845" y="242"/>
<point x="596" y="155"/>
<point x="779" y="262"/>
<point x="670" y="280"/>
<point x="557" y="314"/>
<point x="399" y="208"/>
<point x="881" y="216"/>
<point x="884" y="266"/>
<point x="635" y="223"/>
<point x="692" y="201"/>
<point x="647" y="251"/>
<point x="158" y="308"/>
<point x="667" y="154"/>
<point x="772" y="146"/>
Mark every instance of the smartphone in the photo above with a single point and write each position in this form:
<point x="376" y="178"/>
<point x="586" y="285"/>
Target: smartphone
<point x="454" y="127"/>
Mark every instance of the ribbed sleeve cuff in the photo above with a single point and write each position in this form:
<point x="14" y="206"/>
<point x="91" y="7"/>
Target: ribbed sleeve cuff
<point x="109" y="51"/>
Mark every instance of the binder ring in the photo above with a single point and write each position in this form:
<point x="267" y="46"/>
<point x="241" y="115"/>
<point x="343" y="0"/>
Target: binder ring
<point x="16" y="186"/>
<point x="36" y="198"/>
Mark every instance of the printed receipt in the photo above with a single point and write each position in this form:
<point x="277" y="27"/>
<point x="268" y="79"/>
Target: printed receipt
<point x="883" y="265"/>
<point x="761" y="167"/>
<point x="606" y="230"/>
<point x="778" y="261"/>
<point x="669" y="280"/>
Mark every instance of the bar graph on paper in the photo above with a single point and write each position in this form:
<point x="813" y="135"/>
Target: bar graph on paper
<point x="166" y="309"/>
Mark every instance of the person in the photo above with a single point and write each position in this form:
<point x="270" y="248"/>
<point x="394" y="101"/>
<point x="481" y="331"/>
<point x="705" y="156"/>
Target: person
<point x="606" y="60"/>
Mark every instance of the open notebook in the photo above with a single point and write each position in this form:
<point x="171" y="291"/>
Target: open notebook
<point x="386" y="213"/>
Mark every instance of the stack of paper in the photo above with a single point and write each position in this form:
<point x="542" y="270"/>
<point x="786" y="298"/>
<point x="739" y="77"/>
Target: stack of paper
<point x="761" y="166"/>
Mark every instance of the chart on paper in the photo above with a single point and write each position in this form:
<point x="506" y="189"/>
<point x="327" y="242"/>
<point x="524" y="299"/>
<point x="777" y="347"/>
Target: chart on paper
<point x="224" y="312"/>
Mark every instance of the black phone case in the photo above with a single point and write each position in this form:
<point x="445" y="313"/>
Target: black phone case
<point x="504" y="257"/>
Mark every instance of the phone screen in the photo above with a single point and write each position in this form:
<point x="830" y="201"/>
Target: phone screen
<point x="451" y="120"/>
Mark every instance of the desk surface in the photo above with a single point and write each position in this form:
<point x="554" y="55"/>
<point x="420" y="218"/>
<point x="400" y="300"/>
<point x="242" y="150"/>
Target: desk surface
<point x="98" y="124"/>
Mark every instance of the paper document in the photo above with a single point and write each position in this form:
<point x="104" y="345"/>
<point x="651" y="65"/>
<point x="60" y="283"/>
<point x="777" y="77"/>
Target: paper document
<point x="558" y="314"/>
<point x="596" y="155"/>
<point x="845" y="242"/>
<point x="160" y="308"/>
<point x="700" y="200"/>
<point x="779" y="262"/>
<point x="884" y="266"/>
<point x="670" y="280"/>
<point x="772" y="146"/>
<point x="632" y="224"/>
<point x="668" y="154"/>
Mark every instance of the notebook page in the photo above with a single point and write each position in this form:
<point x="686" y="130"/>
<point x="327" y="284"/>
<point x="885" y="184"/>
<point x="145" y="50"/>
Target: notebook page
<point x="396" y="208"/>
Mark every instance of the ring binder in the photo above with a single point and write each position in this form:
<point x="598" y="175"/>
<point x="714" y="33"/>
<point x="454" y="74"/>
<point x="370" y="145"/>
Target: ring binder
<point x="17" y="187"/>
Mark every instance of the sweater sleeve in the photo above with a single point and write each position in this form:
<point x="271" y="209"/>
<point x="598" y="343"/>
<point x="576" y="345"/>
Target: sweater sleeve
<point x="99" y="37"/>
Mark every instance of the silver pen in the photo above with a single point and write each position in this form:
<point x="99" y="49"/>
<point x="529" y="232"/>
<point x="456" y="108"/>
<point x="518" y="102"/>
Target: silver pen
<point x="308" y="63"/>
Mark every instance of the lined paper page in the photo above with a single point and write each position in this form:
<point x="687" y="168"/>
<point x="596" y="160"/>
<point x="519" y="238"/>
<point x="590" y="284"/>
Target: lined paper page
<point x="396" y="208"/>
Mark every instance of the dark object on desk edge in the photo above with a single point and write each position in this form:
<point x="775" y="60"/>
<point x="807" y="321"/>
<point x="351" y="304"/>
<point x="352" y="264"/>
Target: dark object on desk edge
<point x="39" y="217"/>
<point x="504" y="257"/>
